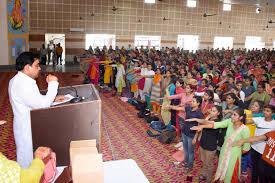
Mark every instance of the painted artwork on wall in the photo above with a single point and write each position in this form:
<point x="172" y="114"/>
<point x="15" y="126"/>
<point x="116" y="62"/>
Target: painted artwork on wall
<point x="17" y="46"/>
<point x="17" y="16"/>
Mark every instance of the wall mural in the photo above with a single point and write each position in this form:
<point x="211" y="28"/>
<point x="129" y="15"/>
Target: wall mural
<point x="17" y="46"/>
<point x="18" y="28"/>
<point x="17" y="16"/>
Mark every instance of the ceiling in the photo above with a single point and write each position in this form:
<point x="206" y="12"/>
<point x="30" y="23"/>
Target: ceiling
<point x="251" y="2"/>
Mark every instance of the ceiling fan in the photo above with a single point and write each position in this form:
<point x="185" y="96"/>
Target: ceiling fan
<point x="164" y="19"/>
<point x="114" y="8"/>
<point x="209" y="15"/>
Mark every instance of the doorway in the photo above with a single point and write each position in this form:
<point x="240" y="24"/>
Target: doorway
<point x="54" y="39"/>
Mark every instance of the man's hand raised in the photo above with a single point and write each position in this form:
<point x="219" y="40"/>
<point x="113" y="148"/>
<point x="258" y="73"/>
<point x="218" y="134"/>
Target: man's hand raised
<point x="51" y="78"/>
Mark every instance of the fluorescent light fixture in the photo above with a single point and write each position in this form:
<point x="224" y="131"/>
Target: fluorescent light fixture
<point x="191" y="3"/>
<point x="226" y="7"/>
<point x="150" y="1"/>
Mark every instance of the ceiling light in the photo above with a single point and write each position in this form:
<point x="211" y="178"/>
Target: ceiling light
<point x="150" y="1"/>
<point x="226" y="7"/>
<point x="191" y="3"/>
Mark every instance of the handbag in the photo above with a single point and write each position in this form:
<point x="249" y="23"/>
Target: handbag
<point x="157" y="125"/>
<point x="167" y="136"/>
<point x="50" y="168"/>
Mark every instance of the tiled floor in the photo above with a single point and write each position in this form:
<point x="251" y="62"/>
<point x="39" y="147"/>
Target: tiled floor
<point x="68" y="67"/>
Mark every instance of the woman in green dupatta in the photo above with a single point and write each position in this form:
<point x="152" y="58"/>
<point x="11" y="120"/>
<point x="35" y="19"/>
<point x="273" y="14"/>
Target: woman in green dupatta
<point x="230" y="157"/>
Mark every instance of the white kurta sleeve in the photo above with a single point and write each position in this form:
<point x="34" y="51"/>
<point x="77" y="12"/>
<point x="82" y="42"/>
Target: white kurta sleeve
<point x="32" y="97"/>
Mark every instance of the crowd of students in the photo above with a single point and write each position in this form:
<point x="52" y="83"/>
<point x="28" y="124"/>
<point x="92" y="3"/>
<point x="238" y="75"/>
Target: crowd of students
<point x="217" y="98"/>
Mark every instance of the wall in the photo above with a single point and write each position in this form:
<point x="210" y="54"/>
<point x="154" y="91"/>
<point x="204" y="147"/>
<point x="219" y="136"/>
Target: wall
<point x="4" y="49"/>
<point x="58" y="16"/>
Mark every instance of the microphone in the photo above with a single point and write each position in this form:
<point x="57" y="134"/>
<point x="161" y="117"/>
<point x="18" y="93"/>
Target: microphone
<point x="76" y="98"/>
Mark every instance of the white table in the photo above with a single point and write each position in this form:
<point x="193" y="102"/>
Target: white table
<point x="120" y="171"/>
<point x="123" y="171"/>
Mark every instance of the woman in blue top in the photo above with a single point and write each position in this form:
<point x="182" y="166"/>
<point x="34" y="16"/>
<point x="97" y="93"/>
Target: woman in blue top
<point x="193" y="111"/>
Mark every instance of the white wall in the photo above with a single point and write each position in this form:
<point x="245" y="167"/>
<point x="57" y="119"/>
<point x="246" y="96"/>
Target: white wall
<point x="4" y="49"/>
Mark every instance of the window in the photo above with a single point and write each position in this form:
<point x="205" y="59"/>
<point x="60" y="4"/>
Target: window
<point x="191" y="3"/>
<point x="226" y="7"/>
<point x="188" y="42"/>
<point x="223" y="42"/>
<point x="150" y="1"/>
<point x="254" y="42"/>
<point x="150" y="41"/>
<point x="100" y="40"/>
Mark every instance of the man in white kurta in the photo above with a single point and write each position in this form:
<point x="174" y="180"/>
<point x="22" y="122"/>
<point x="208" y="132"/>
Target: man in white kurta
<point x="24" y="96"/>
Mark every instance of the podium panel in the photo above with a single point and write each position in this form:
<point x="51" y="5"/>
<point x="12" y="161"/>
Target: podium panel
<point x="57" y="126"/>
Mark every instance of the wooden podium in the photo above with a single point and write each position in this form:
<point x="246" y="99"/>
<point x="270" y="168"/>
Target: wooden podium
<point x="57" y="126"/>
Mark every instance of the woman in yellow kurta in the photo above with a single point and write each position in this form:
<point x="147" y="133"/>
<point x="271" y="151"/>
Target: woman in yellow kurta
<point x="108" y="71"/>
<point x="11" y="172"/>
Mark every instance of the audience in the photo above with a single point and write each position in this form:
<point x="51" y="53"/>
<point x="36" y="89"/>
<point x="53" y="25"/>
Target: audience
<point x="234" y="86"/>
<point x="214" y="97"/>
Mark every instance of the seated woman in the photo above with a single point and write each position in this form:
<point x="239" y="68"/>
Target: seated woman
<point x="10" y="171"/>
<point x="260" y="95"/>
<point x="230" y="157"/>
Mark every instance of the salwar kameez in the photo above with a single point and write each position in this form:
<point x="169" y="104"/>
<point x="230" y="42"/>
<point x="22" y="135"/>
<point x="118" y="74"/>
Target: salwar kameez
<point x="108" y="74"/>
<point x="166" y="113"/>
<point x="232" y="167"/>
<point x="120" y="82"/>
<point x="156" y="93"/>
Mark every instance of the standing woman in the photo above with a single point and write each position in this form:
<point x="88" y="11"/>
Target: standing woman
<point x="156" y="92"/>
<point x="228" y="169"/>
<point x="167" y="79"/>
<point x="185" y="99"/>
<point x="228" y="107"/>
<point x="207" y="102"/>
<point x="120" y="81"/>
<point x="208" y="143"/>
<point x="167" y="114"/>
<point x="141" y="81"/>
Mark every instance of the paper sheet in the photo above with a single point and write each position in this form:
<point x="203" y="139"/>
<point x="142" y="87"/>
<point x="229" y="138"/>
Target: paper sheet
<point x="70" y="97"/>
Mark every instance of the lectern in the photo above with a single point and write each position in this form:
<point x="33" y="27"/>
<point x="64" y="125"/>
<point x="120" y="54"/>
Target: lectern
<point x="57" y="126"/>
